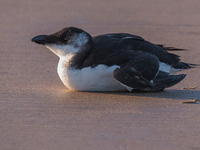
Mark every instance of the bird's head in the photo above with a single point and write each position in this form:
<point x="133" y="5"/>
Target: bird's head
<point x="69" y="40"/>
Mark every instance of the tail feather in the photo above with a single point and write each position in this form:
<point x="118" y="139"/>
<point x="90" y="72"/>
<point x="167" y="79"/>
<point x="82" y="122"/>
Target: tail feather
<point x="168" y="80"/>
<point x="171" y="48"/>
<point x="182" y="65"/>
<point x="176" y="60"/>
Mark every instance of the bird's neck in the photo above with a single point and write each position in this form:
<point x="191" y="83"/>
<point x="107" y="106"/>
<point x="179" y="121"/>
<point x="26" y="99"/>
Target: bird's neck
<point x="63" y="50"/>
<point x="78" y="59"/>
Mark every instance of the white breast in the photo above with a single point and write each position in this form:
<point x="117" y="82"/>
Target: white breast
<point x="99" y="78"/>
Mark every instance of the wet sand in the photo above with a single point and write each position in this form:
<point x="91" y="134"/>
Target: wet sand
<point x="38" y="112"/>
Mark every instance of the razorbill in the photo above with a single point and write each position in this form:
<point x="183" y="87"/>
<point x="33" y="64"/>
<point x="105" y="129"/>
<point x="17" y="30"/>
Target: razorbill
<point x="112" y="62"/>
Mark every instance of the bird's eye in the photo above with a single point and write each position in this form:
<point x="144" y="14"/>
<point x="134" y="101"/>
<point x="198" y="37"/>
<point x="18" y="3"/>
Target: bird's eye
<point x="66" y="38"/>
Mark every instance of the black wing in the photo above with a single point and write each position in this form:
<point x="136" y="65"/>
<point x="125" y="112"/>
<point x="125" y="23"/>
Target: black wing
<point x="139" y="72"/>
<point x="143" y="74"/>
<point x="119" y="44"/>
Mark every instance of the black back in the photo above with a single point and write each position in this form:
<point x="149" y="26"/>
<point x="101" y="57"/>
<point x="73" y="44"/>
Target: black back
<point x="114" y="49"/>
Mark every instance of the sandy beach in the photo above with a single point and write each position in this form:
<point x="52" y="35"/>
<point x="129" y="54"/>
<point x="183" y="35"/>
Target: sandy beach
<point x="37" y="112"/>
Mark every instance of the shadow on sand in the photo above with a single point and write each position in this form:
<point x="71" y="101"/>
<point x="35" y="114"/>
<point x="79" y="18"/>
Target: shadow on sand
<point x="170" y="93"/>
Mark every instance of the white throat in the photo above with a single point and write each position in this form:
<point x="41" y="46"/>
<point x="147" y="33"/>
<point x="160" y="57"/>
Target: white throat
<point x="62" y="50"/>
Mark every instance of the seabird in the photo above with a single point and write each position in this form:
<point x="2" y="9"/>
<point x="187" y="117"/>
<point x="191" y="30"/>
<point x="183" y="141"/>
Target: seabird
<point x="112" y="62"/>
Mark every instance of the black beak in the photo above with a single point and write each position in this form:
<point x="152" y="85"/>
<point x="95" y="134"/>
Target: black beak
<point x="40" y="39"/>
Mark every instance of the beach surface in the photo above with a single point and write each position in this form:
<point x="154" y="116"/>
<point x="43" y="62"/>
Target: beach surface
<point x="37" y="112"/>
